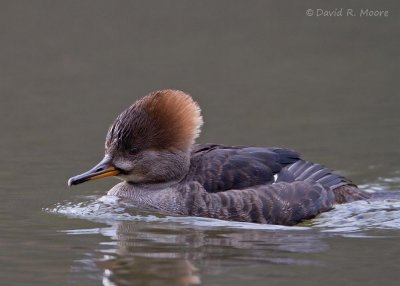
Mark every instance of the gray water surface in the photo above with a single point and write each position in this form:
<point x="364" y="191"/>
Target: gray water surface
<point x="264" y="73"/>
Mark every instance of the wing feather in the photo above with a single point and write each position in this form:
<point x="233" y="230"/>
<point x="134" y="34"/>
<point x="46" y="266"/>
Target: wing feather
<point x="219" y="168"/>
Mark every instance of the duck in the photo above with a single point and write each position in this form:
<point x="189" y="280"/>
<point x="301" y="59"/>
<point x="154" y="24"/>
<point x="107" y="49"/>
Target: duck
<point x="151" y="147"/>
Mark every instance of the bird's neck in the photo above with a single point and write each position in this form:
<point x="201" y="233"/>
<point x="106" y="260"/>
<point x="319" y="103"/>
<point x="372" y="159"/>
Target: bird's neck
<point x="161" y="197"/>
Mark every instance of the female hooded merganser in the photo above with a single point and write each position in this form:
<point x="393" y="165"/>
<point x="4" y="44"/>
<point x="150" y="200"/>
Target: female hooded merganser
<point x="150" y="146"/>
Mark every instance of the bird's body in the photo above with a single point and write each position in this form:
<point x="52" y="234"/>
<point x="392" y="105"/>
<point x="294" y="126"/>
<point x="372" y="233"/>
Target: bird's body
<point x="262" y="185"/>
<point x="151" y="147"/>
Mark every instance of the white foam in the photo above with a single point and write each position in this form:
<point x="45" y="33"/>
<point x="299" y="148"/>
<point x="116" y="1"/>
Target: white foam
<point x="346" y="218"/>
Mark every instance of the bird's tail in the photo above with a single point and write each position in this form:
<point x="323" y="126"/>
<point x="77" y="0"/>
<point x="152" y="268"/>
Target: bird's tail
<point x="343" y="189"/>
<point x="315" y="173"/>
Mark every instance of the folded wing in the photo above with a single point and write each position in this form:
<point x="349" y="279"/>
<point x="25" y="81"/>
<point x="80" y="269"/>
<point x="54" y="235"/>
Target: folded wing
<point x="219" y="168"/>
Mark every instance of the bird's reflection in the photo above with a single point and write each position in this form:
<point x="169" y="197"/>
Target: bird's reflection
<point x="173" y="254"/>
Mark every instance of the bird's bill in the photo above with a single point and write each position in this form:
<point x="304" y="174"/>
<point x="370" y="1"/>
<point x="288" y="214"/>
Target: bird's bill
<point x="101" y="170"/>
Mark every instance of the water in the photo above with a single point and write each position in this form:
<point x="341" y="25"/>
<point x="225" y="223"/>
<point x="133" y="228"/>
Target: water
<point x="187" y="250"/>
<point x="264" y="74"/>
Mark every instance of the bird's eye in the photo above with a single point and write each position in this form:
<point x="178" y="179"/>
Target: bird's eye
<point x="133" y="150"/>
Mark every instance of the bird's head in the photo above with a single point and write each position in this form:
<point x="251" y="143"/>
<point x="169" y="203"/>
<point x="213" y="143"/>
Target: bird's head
<point x="150" y="141"/>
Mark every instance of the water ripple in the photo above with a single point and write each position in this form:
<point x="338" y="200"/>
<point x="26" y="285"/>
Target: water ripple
<point x="108" y="209"/>
<point x="346" y="218"/>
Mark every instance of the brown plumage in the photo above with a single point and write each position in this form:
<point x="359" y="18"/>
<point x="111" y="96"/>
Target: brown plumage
<point x="166" y="119"/>
<point x="151" y="147"/>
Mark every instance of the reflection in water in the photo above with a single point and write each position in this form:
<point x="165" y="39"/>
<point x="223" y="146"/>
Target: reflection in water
<point x="173" y="254"/>
<point x="149" y="249"/>
<point x="128" y="270"/>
